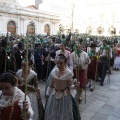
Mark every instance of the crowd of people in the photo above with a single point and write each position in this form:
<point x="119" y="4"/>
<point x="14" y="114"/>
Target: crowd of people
<point x="67" y="65"/>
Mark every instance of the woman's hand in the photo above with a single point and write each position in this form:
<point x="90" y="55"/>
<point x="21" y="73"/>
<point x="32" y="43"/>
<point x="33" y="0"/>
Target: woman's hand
<point x="25" y="105"/>
<point x="39" y="102"/>
<point x="77" y="85"/>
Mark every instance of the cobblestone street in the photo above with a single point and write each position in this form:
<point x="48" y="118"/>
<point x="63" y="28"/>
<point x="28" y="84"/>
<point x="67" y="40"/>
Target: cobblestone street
<point x="103" y="103"/>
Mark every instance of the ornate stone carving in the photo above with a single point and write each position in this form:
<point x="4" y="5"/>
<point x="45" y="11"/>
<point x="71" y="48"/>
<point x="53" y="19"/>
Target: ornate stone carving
<point x="100" y="30"/>
<point x="112" y="30"/>
<point x="89" y="30"/>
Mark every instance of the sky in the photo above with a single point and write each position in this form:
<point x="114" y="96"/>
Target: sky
<point x="79" y="2"/>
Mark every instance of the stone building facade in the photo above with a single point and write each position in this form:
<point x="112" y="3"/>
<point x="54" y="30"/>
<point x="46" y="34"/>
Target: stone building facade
<point x="19" y="20"/>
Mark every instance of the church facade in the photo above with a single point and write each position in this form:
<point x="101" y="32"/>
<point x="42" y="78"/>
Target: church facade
<point x="19" y="20"/>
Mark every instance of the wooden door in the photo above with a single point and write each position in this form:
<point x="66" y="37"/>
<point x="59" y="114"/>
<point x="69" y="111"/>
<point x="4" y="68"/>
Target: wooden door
<point x="11" y="27"/>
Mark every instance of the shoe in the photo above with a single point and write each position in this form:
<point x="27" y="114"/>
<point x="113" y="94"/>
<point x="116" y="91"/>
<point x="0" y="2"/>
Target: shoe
<point x="117" y="69"/>
<point x="91" y="89"/>
<point x="89" y="85"/>
<point x="101" y="84"/>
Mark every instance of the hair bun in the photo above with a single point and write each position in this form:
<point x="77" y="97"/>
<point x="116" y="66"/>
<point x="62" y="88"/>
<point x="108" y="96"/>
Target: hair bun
<point x="61" y="56"/>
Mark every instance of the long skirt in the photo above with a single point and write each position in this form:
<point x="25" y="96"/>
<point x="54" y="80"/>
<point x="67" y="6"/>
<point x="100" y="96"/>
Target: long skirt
<point x="64" y="108"/>
<point x="34" y="104"/>
<point x="117" y="62"/>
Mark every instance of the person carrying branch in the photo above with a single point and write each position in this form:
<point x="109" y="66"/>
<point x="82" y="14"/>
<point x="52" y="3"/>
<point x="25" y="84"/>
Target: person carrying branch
<point x="61" y="105"/>
<point x="78" y="61"/>
<point x="105" y="55"/>
<point x="33" y="90"/>
<point x="12" y="104"/>
<point x="92" y="67"/>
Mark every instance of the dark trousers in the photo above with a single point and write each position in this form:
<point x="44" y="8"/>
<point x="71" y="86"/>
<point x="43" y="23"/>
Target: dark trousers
<point x="103" y="70"/>
<point x="45" y="70"/>
<point x="39" y="71"/>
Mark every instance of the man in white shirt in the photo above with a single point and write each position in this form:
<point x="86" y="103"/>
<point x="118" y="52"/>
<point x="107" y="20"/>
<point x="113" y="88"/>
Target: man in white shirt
<point x="78" y="61"/>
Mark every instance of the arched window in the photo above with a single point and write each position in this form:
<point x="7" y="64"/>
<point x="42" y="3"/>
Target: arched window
<point x="31" y="28"/>
<point x="11" y="27"/>
<point x="47" y="29"/>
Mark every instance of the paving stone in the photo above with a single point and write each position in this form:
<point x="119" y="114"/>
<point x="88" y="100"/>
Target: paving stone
<point x="117" y="114"/>
<point x="111" y="90"/>
<point x="105" y="111"/>
<point x="102" y="99"/>
<point x="85" y="118"/>
<point x="105" y="96"/>
<point x="108" y="107"/>
<point x="114" y="87"/>
<point x="88" y="114"/>
<point x="113" y="118"/>
<point x="113" y="101"/>
<point x="99" y="116"/>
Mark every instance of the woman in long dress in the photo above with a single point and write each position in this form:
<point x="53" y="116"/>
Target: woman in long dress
<point x="12" y="103"/>
<point x="117" y="57"/>
<point x="33" y="90"/>
<point x="63" y="51"/>
<point x="60" y="104"/>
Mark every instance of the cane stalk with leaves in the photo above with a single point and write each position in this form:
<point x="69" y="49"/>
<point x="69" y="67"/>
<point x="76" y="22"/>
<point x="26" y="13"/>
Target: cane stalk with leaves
<point x="26" y="78"/>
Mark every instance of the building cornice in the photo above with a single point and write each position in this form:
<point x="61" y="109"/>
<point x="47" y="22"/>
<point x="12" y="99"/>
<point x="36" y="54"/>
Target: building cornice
<point x="32" y="13"/>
